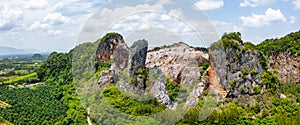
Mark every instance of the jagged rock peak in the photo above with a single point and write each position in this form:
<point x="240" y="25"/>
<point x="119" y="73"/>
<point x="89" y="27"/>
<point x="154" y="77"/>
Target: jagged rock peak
<point x="107" y="45"/>
<point x="136" y="66"/>
<point x="237" y="67"/>
<point x="137" y="55"/>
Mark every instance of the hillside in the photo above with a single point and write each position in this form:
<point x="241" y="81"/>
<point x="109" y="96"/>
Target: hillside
<point x="287" y="44"/>
<point x="15" y="51"/>
<point x="283" y="56"/>
<point x="251" y="84"/>
<point x="238" y="71"/>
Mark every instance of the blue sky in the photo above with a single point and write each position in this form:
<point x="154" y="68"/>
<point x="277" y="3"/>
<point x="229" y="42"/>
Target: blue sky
<point x="58" y="25"/>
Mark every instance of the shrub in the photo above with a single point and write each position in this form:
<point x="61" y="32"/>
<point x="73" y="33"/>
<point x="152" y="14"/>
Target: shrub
<point x="232" y="84"/>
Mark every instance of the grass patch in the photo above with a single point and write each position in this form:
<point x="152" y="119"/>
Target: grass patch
<point x="4" y="104"/>
<point x="19" y="79"/>
<point x="131" y="106"/>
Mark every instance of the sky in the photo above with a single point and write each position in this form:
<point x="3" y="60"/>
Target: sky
<point x="59" y="25"/>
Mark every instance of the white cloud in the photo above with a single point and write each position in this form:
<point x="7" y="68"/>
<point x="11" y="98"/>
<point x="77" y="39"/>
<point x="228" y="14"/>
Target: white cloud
<point x="293" y="19"/>
<point x="296" y="4"/>
<point x="165" y="27"/>
<point x="56" y="19"/>
<point x="38" y="25"/>
<point x="49" y="22"/>
<point x="254" y="3"/>
<point x="164" y="2"/>
<point x="54" y="32"/>
<point x="270" y="16"/>
<point x="145" y="21"/>
<point x="99" y="24"/>
<point x="9" y="18"/>
<point x="208" y="4"/>
<point x="177" y="13"/>
<point x="223" y="27"/>
<point x="36" y="4"/>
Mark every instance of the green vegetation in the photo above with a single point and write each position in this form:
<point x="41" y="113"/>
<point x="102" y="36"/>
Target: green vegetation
<point x="102" y="66"/>
<point x="291" y="88"/>
<point x="249" y="46"/>
<point x="270" y="81"/>
<point x="231" y="40"/>
<point x="4" y="122"/>
<point x="172" y="89"/>
<point x="19" y="70"/>
<point x="289" y="43"/>
<point x="201" y="49"/>
<point x="256" y="90"/>
<point x="130" y="106"/>
<point x="29" y="78"/>
<point x="56" y="71"/>
<point x="156" y="48"/>
<point x="245" y="73"/>
<point x="4" y="104"/>
<point x="232" y="84"/>
<point x="204" y="68"/>
<point x="106" y="37"/>
<point x="253" y="72"/>
<point x="142" y="72"/>
<point x="263" y="61"/>
<point x="57" y="101"/>
<point x="28" y="106"/>
<point x="269" y="109"/>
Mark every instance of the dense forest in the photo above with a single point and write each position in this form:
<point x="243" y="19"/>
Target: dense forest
<point x="289" y="43"/>
<point x="32" y="106"/>
<point x="57" y="102"/>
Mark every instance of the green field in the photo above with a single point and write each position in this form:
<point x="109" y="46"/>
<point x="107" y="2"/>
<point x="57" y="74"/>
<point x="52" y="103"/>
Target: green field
<point x="4" y="104"/>
<point x="20" y="79"/>
<point x="2" y="120"/>
<point x="19" y="70"/>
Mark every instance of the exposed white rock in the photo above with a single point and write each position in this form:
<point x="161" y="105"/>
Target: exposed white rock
<point x="158" y="89"/>
<point x="178" y="62"/>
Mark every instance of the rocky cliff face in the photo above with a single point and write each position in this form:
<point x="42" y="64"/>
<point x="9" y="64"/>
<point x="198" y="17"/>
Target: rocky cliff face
<point x="136" y="79"/>
<point x="134" y="69"/>
<point x="286" y="66"/>
<point x="179" y="62"/>
<point x="107" y="47"/>
<point x="236" y="67"/>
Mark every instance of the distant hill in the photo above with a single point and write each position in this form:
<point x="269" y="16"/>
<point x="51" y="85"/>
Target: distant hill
<point x="13" y="51"/>
<point x="287" y="44"/>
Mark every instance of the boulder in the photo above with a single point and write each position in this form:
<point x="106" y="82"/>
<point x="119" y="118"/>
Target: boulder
<point x="158" y="90"/>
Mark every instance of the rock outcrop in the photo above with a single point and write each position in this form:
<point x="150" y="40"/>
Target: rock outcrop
<point x="286" y="67"/>
<point x="237" y="67"/>
<point x="107" y="77"/>
<point x="157" y="86"/>
<point x="136" y="82"/>
<point x="121" y="55"/>
<point x="111" y="49"/>
<point x="107" y="47"/>
<point x="158" y="90"/>
<point x="179" y="62"/>
<point x="182" y="64"/>
<point x="131" y="67"/>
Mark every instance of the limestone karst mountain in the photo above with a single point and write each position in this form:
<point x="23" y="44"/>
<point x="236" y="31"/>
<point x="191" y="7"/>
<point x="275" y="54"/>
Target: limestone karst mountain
<point x="134" y="68"/>
<point x="237" y="65"/>
<point x="232" y="67"/>
<point x="250" y="78"/>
